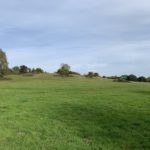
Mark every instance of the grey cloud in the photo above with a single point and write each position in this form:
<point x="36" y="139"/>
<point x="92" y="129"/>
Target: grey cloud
<point x="110" y="36"/>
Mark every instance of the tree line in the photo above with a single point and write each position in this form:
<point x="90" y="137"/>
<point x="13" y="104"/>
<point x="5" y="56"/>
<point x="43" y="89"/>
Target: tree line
<point x="131" y="77"/>
<point x="64" y="71"/>
<point x="24" y="69"/>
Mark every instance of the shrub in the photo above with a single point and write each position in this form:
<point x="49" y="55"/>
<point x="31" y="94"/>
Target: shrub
<point x="92" y="74"/>
<point x="24" y="69"/>
<point x="96" y="74"/>
<point x="37" y="70"/>
<point x="132" y="78"/>
<point x="148" y="79"/>
<point x="141" y="79"/>
<point x="74" y="73"/>
<point x="64" y="70"/>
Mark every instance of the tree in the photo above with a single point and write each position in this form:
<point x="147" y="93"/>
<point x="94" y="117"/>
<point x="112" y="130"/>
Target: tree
<point x="3" y="63"/>
<point x="148" y="79"/>
<point x="141" y="79"/>
<point x="1" y="70"/>
<point x="132" y="78"/>
<point x="24" y="69"/>
<point x="33" y="70"/>
<point x="39" y="70"/>
<point x="96" y="74"/>
<point x="74" y="73"/>
<point x="124" y="77"/>
<point x="64" y="70"/>
<point x="65" y="66"/>
<point x="90" y="75"/>
<point x="16" y="69"/>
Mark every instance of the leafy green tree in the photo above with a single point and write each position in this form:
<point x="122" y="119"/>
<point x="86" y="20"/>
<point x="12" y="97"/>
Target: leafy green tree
<point x="33" y="70"/>
<point x="39" y="70"/>
<point x="65" y="66"/>
<point x="74" y="73"/>
<point x="148" y="79"/>
<point x="124" y="77"/>
<point x="1" y="71"/>
<point x="141" y="79"/>
<point x="3" y="63"/>
<point x="24" y="69"/>
<point x="132" y="78"/>
<point x="96" y="74"/>
<point x="16" y="69"/>
<point x="90" y="75"/>
<point x="64" y="70"/>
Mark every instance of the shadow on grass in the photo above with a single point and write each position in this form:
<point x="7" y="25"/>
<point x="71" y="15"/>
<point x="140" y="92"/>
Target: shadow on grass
<point x="103" y="125"/>
<point x="5" y="79"/>
<point x="142" y="92"/>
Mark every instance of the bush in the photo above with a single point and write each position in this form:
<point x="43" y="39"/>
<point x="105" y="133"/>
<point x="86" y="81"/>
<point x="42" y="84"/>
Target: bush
<point x="126" y="78"/>
<point x="92" y="74"/>
<point x="141" y="79"/>
<point x="16" y="69"/>
<point x="132" y="78"/>
<point x="96" y="74"/>
<point x="24" y="69"/>
<point x="1" y="74"/>
<point x="37" y="70"/>
<point x="74" y="73"/>
<point x="64" y="70"/>
<point x="148" y="79"/>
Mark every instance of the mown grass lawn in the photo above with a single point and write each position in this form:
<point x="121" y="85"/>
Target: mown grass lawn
<point x="51" y="113"/>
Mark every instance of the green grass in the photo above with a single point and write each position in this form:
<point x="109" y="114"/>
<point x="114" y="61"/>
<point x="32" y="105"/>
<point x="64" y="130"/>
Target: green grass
<point x="51" y="113"/>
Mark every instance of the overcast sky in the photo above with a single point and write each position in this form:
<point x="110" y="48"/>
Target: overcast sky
<point x="111" y="37"/>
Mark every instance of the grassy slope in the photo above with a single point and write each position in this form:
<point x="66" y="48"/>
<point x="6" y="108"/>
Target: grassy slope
<point x="73" y="114"/>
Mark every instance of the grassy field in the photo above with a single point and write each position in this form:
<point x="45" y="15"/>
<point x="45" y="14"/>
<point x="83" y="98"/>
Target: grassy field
<point x="51" y="113"/>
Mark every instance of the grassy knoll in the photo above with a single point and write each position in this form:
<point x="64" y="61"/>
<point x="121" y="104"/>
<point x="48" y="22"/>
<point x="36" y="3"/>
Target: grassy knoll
<point x="51" y="113"/>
